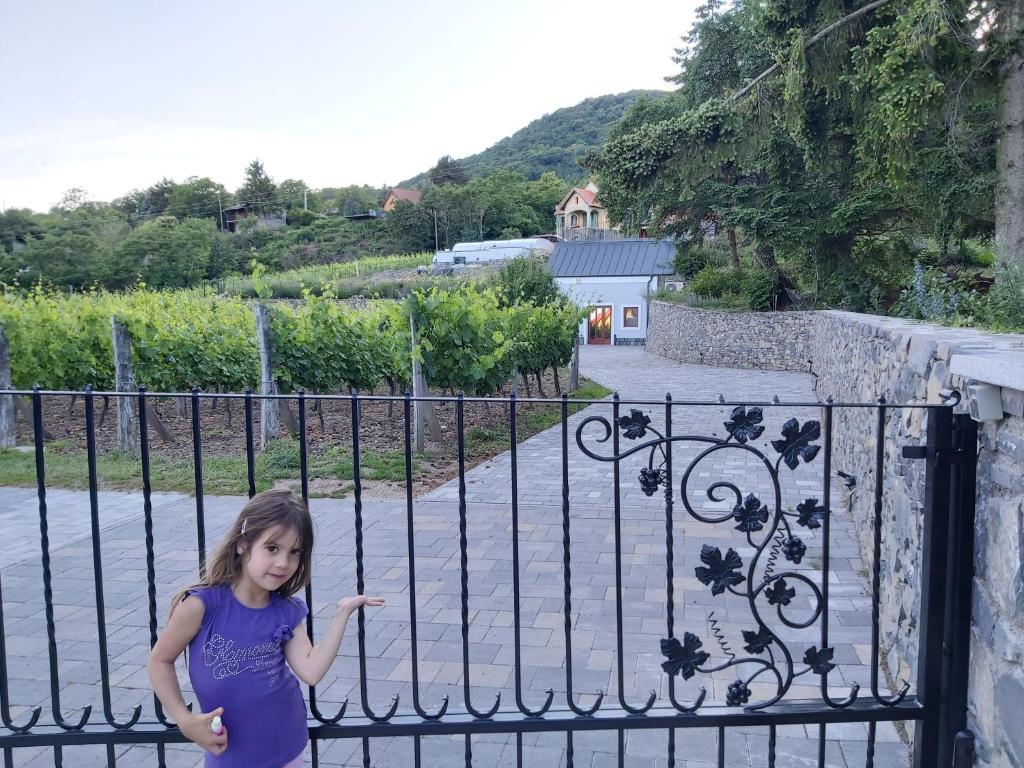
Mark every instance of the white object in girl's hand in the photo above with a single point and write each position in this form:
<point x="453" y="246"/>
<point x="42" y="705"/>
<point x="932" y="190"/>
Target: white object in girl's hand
<point x="216" y="725"/>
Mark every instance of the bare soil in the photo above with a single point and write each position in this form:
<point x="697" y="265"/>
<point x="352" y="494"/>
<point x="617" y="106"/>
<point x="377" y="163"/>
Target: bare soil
<point x="328" y="427"/>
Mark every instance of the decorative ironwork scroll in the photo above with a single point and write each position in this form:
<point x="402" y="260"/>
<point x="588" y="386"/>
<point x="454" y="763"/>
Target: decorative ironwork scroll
<point x="763" y="580"/>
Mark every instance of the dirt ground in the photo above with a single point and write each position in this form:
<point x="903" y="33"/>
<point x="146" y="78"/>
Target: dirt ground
<point x="328" y="428"/>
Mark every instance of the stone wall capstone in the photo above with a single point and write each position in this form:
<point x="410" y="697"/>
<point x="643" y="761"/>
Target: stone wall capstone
<point x="861" y="358"/>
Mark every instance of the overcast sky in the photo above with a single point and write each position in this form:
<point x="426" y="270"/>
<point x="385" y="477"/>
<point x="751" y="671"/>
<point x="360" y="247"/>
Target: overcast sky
<point x="112" y="95"/>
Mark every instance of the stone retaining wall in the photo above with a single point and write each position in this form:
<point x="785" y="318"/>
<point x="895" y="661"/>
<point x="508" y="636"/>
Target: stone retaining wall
<point x="860" y="358"/>
<point x="774" y="341"/>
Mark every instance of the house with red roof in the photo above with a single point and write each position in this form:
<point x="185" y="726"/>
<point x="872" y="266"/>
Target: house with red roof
<point x="397" y="194"/>
<point x="580" y="216"/>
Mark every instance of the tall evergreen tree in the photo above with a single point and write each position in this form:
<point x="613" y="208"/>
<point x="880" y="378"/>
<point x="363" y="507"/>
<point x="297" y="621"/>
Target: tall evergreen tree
<point x="258" y="193"/>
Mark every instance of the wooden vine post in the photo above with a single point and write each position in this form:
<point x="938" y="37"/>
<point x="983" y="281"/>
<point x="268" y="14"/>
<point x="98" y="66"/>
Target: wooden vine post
<point x="124" y="381"/>
<point x="417" y="391"/>
<point x="269" y="413"/>
<point x="423" y="410"/>
<point x="574" y="366"/>
<point x="7" y="431"/>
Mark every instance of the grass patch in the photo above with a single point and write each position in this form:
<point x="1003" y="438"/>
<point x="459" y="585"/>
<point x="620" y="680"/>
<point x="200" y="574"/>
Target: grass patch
<point x="483" y="442"/>
<point x="222" y="475"/>
<point x="329" y="471"/>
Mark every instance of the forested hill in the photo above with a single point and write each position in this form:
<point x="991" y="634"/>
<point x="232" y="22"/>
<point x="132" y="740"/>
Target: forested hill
<point x="554" y="141"/>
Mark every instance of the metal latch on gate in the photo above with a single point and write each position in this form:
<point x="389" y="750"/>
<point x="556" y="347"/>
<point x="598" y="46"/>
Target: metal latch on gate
<point x="915" y="452"/>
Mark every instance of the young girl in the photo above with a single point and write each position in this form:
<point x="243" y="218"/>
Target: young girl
<point x="240" y="625"/>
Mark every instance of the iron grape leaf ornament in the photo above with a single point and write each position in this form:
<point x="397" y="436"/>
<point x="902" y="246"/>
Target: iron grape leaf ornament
<point x="757" y="642"/>
<point x="744" y="424"/>
<point x="721" y="572"/>
<point x="820" y="662"/>
<point x="810" y="513"/>
<point x="796" y="442"/>
<point x="683" y="657"/>
<point x="751" y="515"/>
<point x="780" y="593"/>
<point x="634" y="426"/>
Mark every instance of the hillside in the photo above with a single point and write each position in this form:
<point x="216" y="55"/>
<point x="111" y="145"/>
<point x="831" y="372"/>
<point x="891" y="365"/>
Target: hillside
<point x="554" y="141"/>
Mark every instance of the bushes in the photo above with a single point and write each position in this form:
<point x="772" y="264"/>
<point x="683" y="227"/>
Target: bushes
<point x="689" y="260"/>
<point x="759" y="288"/>
<point x="961" y="300"/>
<point x="713" y="282"/>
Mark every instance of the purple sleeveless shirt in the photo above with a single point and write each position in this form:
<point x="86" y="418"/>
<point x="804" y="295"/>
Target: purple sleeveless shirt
<point x="237" y="662"/>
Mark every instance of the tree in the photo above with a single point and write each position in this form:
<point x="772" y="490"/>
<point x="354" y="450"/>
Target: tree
<point x="526" y="280"/>
<point x="168" y="253"/>
<point x="409" y="228"/>
<point x="447" y="171"/>
<point x="70" y="259"/>
<point x="823" y="163"/>
<point x="18" y="225"/>
<point x="200" y="198"/>
<point x="142" y="204"/>
<point x="294" y="193"/>
<point x="258" y="192"/>
<point x="1008" y="33"/>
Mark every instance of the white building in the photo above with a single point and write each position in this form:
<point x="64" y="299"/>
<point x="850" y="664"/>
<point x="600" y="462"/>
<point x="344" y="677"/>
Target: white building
<point x="493" y="250"/>
<point x="613" y="278"/>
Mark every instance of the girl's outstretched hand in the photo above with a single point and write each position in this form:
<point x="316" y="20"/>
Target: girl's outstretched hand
<point x="197" y="729"/>
<point x="349" y="605"/>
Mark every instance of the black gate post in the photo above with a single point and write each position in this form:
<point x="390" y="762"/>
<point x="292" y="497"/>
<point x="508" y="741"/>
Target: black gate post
<point x="947" y="573"/>
<point x="959" y="587"/>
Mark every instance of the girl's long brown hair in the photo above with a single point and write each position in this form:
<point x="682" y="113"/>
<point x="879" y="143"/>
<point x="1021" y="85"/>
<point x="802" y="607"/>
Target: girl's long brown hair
<point x="265" y="511"/>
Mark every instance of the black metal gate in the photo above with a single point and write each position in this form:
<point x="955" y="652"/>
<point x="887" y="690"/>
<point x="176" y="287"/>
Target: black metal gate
<point x="757" y="573"/>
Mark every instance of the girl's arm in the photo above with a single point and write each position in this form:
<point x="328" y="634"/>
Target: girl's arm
<point x="310" y="663"/>
<point x="182" y="626"/>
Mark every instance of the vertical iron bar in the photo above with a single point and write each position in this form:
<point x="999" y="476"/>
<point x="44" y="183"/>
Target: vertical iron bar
<point x="771" y="746"/>
<point x="197" y="458"/>
<point x="569" y="751"/>
<point x="622" y="748"/>
<point x="411" y="545"/>
<point x="959" y="569"/>
<point x="671" y="748"/>
<point x="303" y="450"/>
<point x="519" y="749"/>
<point x="44" y="544"/>
<point x="721" y="747"/>
<point x="469" y="752"/>
<point x="464" y="568"/>
<point x="97" y="571"/>
<point x="416" y="750"/>
<point x="876" y="562"/>
<point x="516" y="613"/>
<point x="935" y="552"/>
<point x="567" y="569"/>
<point x="877" y="545"/>
<point x="360" y="585"/>
<point x="250" y="444"/>
<point x="147" y="510"/>
<point x="366" y="752"/>
<point x="617" y="504"/>
<point x="870" y="757"/>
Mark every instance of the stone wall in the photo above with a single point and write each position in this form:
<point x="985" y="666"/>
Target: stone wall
<point x="774" y="341"/>
<point x="860" y="358"/>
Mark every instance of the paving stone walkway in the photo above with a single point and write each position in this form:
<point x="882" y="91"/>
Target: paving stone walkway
<point x="596" y="662"/>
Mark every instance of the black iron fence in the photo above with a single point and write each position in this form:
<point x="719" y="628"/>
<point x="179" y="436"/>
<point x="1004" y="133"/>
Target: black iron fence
<point x="750" y="638"/>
